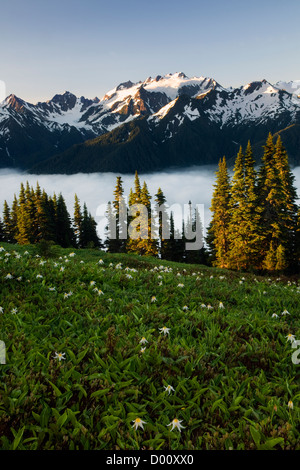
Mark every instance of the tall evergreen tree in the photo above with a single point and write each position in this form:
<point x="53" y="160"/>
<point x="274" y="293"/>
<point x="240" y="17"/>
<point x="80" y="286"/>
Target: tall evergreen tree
<point x="23" y="219"/>
<point x="244" y="228"/>
<point x="64" y="233"/>
<point x="8" y="227"/>
<point x="218" y="230"/>
<point x="118" y="245"/>
<point x="77" y="221"/>
<point x="289" y="210"/>
<point x="276" y="201"/>
<point x="89" y="236"/>
<point x="163" y="221"/>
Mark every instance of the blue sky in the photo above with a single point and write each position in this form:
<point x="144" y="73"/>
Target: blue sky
<point x="88" y="47"/>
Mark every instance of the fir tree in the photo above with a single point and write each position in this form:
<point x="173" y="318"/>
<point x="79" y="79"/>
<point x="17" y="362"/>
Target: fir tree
<point x="244" y="230"/>
<point x="8" y="228"/>
<point x="218" y="230"/>
<point x="278" y="209"/>
<point x="197" y="255"/>
<point x="110" y="230"/>
<point x="89" y="237"/>
<point x="289" y="209"/>
<point x="118" y="245"/>
<point x="77" y="221"/>
<point x="163" y="224"/>
<point x="23" y="219"/>
<point x="64" y="233"/>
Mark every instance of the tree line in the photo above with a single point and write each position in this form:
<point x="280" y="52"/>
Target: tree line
<point x="35" y="216"/>
<point x="150" y="239"/>
<point x="255" y="222"/>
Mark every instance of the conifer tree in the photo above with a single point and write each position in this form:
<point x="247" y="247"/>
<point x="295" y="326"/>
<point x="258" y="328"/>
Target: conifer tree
<point x="89" y="237"/>
<point x="218" y="230"/>
<point x="289" y="210"/>
<point x="64" y="233"/>
<point x="163" y="221"/>
<point x="134" y="198"/>
<point x="170" y="246"/>
<point x="197" y="256"/>
<point x="244" y="230"/>
<point x="23" y="219"/>
<point x="118" y="245"/>
<point x="278" y="209"/>
<point x="8" y="227"/>
<point x="110" y="229"/>
<point x="77" y="221"/>
<point x="149" y="245"/>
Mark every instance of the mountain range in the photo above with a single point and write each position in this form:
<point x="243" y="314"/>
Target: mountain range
<point x="163" y="122"/>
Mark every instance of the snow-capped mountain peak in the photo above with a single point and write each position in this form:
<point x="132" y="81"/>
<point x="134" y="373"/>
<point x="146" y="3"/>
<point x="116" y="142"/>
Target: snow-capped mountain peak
<point x="172" y="104"/>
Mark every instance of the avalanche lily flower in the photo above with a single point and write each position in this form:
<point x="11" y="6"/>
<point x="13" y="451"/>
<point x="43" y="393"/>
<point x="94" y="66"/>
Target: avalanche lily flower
<point x="221" y="305"/>
<point x="180" y="285"/>
<point x="1" y="309"/>
<point x="138" y="423"/>
<point x="60" y="356"/>
<point x="143" y="340"/>
<point x="185" y="307"/>
<point x="153" y="299"/>
<point x="291" y="338"/>
<point x="176" y="424"/>
<point x="143" y="350"/>
<point x="164" y="330"/>
<point x="92" y="283"/>
<point x="169" y="389"/>
<point x="14" y="311"/>
<point x="290" y="405"/>
<point x="274" y="315"/>
<point x="285" y="312"/>
<point x="9" y="276"/>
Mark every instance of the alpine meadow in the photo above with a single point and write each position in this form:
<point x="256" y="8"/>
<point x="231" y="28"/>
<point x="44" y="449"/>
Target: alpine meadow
<point x="149" y="230"/>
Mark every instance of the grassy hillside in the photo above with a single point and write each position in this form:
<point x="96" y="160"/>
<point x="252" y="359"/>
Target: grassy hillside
<point x="78" y="374"/>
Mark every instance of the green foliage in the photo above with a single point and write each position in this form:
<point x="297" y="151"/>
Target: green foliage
<point x="47" y="249"/>
<point x="255" y="216"/>
<point x="36" y="217"/>
<point x="230" y="365"/>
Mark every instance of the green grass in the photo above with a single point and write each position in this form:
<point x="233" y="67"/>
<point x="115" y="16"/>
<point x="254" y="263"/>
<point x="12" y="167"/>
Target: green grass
<point x="231" y="368"/>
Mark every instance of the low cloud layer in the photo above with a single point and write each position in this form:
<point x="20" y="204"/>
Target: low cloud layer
<point x="96" y="189"/>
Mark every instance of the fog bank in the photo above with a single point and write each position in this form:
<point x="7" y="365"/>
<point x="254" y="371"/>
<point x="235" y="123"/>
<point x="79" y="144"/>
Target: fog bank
<point x="96" y="189"/>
